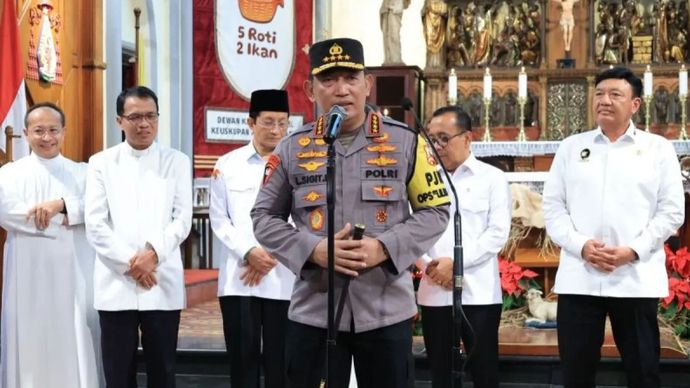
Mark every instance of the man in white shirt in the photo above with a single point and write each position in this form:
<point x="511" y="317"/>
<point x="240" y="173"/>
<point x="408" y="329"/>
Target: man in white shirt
<point x="138" y="211"/>
<point x="613" y="196"/>
<point x="253" y="288"/>
<point x="485" y="207"/>
<point x="50" y="333"/>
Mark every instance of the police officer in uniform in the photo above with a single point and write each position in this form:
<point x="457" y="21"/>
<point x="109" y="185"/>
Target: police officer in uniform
<point x="383" y="169"/>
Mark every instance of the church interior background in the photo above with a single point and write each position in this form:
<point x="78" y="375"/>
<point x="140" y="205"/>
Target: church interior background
<point x="504" y="62"/>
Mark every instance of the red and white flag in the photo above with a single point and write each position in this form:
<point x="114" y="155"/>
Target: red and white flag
<point x="12" y="88"/>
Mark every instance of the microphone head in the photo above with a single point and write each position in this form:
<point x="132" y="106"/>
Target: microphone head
<point x="338" y="110"/>
<point x="406" y="103"/>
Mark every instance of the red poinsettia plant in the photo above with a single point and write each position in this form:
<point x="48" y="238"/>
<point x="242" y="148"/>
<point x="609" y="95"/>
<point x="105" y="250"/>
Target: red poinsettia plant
<point x="675" y="308"/>
<point x="514" y="282"/>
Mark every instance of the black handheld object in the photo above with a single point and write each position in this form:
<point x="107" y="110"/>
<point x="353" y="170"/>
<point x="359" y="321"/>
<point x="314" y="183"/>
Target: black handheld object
<point x="336" y="116"/>
<point x="358" y="231"/>
<point x="357" y="234"/>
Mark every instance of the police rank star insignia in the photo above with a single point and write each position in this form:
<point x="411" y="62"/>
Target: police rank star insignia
<point x="312" y="196"/>
<point x="311" y="165"/>
<point x="382" y="161"/>
<point x="319" y="142"/>
<point x="271" y="165"/>
<point x="311" y="154"/>
<point x="316" y="219"/>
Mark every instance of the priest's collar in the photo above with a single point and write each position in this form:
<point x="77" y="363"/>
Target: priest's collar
<point x="135" y="152"/>
<point x="57" y="159"/>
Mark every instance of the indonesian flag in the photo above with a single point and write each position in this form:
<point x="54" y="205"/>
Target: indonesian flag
<point x="12" y="88"/>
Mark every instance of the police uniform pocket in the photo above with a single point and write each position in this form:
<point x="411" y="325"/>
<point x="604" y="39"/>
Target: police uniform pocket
<point x="310" y="208"/>
<point x="381" y="204"/>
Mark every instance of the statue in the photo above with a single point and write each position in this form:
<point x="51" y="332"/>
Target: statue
<point x="434" y="14"/>
<point x="662" y="51"/>
<point x="482" y="35"/>
<point x="567" y="21"/>
<point x="510" y="112"/>
<point x="661" y="100"/>
<point x="391" y="15"/>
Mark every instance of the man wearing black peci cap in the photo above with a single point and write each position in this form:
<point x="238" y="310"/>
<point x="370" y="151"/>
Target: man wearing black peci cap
<point x="382" y="168"/>
<point x="253" y="288"/>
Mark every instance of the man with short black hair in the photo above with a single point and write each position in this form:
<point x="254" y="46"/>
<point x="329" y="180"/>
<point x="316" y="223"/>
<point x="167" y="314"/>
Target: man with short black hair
<point x="613" y="196"/>
<point x="50" y="333"/>
<point x="383" y="167"/>
<point x="138" y="212"/>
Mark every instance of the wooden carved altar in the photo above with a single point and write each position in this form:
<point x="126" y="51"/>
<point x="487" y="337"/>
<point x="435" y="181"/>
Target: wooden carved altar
<point x="507" y="35"/>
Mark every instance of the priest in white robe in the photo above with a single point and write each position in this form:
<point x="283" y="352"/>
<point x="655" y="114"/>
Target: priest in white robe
<point x="138" y="210"/>
<point x="50" y="331"/>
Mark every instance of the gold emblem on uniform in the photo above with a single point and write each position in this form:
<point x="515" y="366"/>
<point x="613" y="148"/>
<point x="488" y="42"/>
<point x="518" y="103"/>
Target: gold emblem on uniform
<point x="319" y="142"/>
<point x="311" y="154"/>
<point x="430" y="155"/>
<point x="374" y="128"/>
<point x="316" y="219"/>
<point x="383" y="191"/>
<point x="382" y="148"/>
<point x="381" y="215"/>
<point x="336" y="53"/>
<point x="311" y="165"/>
<point x="312" y="196"/>
<point x="382" y="161"/>
<point x="318" y="128"/>
<point x="304" y="141"/>
<point x="381" y="139"/>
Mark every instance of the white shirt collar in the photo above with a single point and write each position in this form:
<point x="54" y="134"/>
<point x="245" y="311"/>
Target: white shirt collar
<point x="138" y="153"/>
<point x="470" y="166"/>
<point x="48" y="163"/>
<point x="628" y="135"/>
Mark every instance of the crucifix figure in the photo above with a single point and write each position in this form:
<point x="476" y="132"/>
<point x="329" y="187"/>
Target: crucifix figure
<point x="567" y="21"/>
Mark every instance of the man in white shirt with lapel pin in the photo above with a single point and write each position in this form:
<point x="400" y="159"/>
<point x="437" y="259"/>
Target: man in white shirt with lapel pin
<point x="50" y="333"/>
<point x="613" y="196"/>
<point x="254" y="289"/>
<point x="485" y="207"/>
<point x="138" y="212"/>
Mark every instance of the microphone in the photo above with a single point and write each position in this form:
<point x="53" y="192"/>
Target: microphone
<point x="458" y="314"/>
<point x="336" y="116"/>
<point x="406" y="104"/>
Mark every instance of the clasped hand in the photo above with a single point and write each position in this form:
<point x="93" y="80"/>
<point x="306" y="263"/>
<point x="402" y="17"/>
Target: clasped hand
<point x="605" y="258"/>
<point x="42" y="213"/>
<point x="259" y="264"/>
<point x="350" y="256"/>
<point x="440" y="271"/>
<point x="142" y="268"/>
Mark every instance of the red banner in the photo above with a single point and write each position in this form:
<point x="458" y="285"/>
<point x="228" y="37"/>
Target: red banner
<point x="211" y="89"/>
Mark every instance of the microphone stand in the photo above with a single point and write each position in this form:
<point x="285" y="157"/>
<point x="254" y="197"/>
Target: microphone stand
<point x="330" y="205"/>
<point x="457" y="313"/>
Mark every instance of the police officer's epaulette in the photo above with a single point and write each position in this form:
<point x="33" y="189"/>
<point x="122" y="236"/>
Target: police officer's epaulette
<point x="389" y="121"/>
<point x="304" y="128"/>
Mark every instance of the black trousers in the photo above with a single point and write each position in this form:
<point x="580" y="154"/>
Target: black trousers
<point x="246" y="321"/>
<point x="481" y="346"/>
<point x="120" y="339"/>
<point x="581" y="326"/>
<point x="381" y="356"/>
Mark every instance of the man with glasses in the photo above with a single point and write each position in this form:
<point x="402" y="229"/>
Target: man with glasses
<point x="382" y="168"/>
<point x="253" y="287"/>
<point x="485" y="207"/>
<point x="138" y="212"/>
<point x="50" y="333"/>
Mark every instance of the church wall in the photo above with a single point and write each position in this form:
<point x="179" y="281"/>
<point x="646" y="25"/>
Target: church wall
<point x="359" y="19"/>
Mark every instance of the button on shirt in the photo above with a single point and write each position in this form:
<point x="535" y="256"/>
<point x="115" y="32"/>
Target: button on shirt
<point x="625" y="193"/>
<point x="237" y="180"/>
<point x="485" y="208"/>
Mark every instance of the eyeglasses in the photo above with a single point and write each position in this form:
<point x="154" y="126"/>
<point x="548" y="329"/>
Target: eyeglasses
<point x="40" y="132"/>
<point x="137" y="118"/>
<point x="442" y="141"/>
<point x="272" y="124"/>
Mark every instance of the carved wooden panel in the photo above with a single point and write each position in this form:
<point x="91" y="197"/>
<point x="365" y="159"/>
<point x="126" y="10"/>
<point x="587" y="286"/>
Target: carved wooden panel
<point x="566" y="110"/>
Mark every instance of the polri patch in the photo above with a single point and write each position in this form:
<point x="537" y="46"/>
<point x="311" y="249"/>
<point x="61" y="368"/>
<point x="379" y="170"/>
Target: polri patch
<point x="271" y="166"/>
